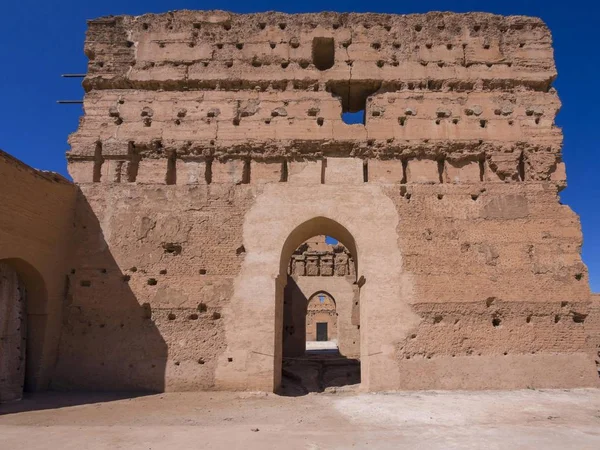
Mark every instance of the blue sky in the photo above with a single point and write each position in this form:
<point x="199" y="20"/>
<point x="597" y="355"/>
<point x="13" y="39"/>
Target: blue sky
<point x="41" y="40"/>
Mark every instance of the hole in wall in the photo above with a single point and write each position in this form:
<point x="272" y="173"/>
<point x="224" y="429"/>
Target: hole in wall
<point x="353" y="118"/>
<point x="134" y="163"/>
<point x="496" y="322"/>
<point x="323" y="53"/>
<point x="172" y="248"/>
<point x="365" y="171"/>
<point x="208" y="172"/>
<point x="171" y="177"/>
<point x="202" y="307"/>
<point x="579" y="318"/>
<point x="404" y="171"/>
<point x="246" y="172"/>
<point x="98" y="161"/>
<point x="152" y="282"/>
<point x="354" y="95"/>
<point x="481" y="169"/>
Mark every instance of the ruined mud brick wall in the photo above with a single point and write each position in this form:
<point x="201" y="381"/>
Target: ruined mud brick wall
<point x="208" y="137"/>
<point x="36" y="222"/>
<point x="316" y="259"/>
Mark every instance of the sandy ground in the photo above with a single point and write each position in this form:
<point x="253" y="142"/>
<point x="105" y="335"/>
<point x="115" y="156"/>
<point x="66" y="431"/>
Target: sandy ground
<point x="420" y="420"/>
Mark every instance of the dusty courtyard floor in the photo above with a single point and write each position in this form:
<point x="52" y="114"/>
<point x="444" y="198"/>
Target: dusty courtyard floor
<point x="426" y="420"/>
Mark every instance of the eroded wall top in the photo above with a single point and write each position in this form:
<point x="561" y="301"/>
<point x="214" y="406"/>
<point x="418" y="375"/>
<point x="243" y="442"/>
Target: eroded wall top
<point x="205" y="48"/>
<point x="453" y="90"/>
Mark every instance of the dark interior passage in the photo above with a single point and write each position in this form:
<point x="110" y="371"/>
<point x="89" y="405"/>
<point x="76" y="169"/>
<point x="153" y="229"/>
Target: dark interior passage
<point x="320" y="341"/>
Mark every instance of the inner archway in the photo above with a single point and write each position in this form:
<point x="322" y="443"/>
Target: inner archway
<point x="321" y="323"/>
<point x="320" y="320"/>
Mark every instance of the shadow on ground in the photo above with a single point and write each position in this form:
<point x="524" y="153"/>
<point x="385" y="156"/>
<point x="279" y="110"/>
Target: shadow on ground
<point x="55" y="400"/>
<point x="317" y="371"/>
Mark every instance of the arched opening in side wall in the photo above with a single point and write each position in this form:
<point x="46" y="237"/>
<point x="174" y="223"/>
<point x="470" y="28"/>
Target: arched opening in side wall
<point x="22" y="297"/>
<point x="317" y="310"/>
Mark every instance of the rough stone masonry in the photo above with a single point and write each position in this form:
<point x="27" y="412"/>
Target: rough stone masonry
<point x="213" y="145"/>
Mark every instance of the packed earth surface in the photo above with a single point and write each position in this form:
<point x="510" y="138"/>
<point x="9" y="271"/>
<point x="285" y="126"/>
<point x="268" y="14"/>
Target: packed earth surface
<point x="525" y="419"/>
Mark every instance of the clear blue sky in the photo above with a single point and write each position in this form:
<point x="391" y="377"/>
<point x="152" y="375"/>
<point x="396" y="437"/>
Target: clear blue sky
<point x="42" y="39"/>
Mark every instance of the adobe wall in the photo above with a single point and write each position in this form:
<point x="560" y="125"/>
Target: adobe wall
<point x="36" y="223"/>
<point x="212" y="146"/>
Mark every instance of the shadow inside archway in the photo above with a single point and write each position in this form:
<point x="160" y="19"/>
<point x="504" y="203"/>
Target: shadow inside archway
<point x="318" y="371"/>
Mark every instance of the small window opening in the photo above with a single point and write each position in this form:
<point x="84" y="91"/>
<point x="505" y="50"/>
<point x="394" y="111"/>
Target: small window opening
<point x="365" y="170"/>
<point x="284" y="171"/>
<point x="208" y="172"/>
<point x="134" y="163"/>
<point x="171" y="177"/>
<point x="246" y="172"/>
<point x="98" y="161"/>
<point x="354" y="98"/>
<point x="323" y="53"/>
